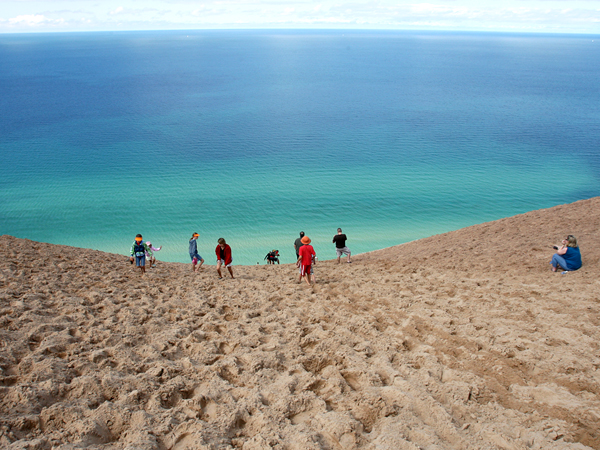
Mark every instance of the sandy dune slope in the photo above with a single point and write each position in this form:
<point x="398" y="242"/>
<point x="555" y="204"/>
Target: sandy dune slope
<point x="460" y="341"/>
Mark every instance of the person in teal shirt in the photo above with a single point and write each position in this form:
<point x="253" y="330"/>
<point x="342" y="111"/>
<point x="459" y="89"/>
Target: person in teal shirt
<point x="138" y="250"/>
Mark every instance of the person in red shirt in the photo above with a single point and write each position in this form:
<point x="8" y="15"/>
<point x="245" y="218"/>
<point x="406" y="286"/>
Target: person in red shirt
<point x="223" y="252"/>
<point x="305" y="259"/>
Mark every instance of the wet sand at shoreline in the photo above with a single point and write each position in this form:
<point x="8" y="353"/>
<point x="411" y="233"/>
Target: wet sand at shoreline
<point x="464" y="340"/>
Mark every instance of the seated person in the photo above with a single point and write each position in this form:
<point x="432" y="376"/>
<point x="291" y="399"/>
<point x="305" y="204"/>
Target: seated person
<point x="567" y="257"/>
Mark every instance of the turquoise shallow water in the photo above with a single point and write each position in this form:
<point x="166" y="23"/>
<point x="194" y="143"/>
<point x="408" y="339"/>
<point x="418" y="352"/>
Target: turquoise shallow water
<point x="254" y="136"/>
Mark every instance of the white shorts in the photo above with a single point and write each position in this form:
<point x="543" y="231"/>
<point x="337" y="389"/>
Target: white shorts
<point x="344" y="250"/>
<point x="222" y="261"/>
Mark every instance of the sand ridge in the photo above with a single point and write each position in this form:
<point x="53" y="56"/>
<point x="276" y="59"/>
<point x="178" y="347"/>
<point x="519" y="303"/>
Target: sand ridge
<point x="464" y="340"/>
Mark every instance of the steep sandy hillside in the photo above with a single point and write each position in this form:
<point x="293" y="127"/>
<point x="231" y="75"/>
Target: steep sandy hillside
<point x="460" y="341"/>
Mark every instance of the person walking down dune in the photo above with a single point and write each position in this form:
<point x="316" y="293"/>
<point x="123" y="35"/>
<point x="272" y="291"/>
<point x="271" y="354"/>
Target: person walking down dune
<point x="568" y="256"/>
<point x="340" y="245"/>
<point x="150" y="253"/>
<point x="312" y="270"/>
<point x="305" y="259"/>
<point x="138" y="250"/>
<point x="223" y="252"/>
<point x="298" y="244"/>
<point x="194" y="255"/>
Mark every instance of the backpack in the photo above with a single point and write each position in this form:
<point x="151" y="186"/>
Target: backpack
<point x="139" y="249"/>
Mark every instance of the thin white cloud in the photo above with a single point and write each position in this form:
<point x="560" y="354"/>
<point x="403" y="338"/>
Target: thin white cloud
<point x="204" y="11"/>
<point x="533" y="15"/>
<point x="116" y="11"/>
<point x="30" y="19"/>
<point x="33" y="20"/>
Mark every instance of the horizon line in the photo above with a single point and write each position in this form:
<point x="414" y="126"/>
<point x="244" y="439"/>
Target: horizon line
<point x="292" y="29"/>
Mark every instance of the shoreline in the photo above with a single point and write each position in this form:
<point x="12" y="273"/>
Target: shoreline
<point x="207" y="263"/>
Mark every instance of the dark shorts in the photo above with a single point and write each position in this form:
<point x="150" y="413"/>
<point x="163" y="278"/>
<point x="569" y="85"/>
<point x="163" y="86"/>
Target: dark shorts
<point x="140" y="261"/>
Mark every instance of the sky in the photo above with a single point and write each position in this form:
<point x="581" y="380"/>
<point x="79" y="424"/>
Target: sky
<point x="545" y="16"/>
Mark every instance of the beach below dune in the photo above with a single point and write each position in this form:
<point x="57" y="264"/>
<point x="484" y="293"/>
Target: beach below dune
<point x="464" y="340"/>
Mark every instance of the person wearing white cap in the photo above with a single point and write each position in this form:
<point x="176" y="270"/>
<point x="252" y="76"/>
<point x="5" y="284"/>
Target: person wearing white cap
<point x="149" y="253"/>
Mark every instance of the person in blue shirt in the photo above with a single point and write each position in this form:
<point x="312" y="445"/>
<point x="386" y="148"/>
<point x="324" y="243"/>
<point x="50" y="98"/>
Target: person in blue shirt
<point x="568" y="256"/>
<point x="195" y="257"/>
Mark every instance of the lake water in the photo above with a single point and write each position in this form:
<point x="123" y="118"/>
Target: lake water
<point x="256" y="135"/>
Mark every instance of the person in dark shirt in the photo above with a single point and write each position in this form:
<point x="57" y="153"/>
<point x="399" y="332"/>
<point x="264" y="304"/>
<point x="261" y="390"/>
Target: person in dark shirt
<point x="272" y="257"/>
<point x="340" y="245"/>
<point x="298" y="243"/>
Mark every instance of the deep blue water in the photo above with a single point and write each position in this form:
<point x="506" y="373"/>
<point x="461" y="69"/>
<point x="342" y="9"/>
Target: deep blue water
<point x="256" y="135"/>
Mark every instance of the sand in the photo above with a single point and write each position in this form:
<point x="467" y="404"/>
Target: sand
<point x="464" y="340"/>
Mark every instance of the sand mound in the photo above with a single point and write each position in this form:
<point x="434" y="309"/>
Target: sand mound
<point x="460" y="341"/>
